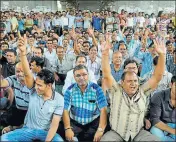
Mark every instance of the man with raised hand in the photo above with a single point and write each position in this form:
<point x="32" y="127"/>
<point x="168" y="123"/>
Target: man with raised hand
<point x="45" y="105"/>
<point x="128" y="100"/>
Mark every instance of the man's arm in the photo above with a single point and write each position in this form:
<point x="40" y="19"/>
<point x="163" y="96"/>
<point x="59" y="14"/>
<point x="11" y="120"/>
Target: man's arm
<point x="165" y="127"/>
<point x="91" y="33"/>
<point x="160" y="68"/>
<point x="4" y="83"/>
<point x="29" y="80"/>
<point x="53" y="128"/>
<point x="106" y="70"/>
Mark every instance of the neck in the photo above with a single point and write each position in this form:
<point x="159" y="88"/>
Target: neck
<point x="93" y="58"/>
<point x="83" y="88"/>
<point x="47" y="94"/>
<point x="116" y="67"/>
<point x="60" y="58"/>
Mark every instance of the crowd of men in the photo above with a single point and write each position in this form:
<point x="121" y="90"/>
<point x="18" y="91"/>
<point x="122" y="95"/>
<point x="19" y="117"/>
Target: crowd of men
<point x="88" y="76"/>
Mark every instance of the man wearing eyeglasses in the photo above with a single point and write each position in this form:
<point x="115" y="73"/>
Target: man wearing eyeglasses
<point x="85" y="115"/>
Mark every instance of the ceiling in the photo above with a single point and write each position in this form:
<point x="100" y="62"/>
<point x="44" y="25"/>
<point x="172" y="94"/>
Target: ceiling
<point x="88" y="5"/>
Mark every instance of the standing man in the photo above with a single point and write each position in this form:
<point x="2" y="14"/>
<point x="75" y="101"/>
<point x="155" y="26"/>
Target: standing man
<point x="85" y="115"/>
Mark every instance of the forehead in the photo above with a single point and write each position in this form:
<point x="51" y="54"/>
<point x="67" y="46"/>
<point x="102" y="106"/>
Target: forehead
<point x="9" y="53"/>
<point x="131" y="76"/>
<point x="19" y="67"/>
<point x="80" y="71"/>
<point x="122" y="46"/>
<point x="37" y="50"/>
<point x="117" y="54"/>
<point x="39" y="81"/>
<point x="81" y="59"/>
<point x="131" y="65"/>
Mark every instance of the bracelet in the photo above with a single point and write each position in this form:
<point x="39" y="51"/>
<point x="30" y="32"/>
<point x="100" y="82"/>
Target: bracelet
<point x="68" y="128"/>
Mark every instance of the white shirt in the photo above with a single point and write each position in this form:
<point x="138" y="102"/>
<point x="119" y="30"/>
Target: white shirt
<point x="50" y="56"/>
<point x="95" y="66"/>
<point x="152" y="21"/>
<point x="57" y="22"/>
<point x="141" y="20"/>
<point x="64" y="21"/>
<point x="70" y="79"/>
<point x="130" y="22"/>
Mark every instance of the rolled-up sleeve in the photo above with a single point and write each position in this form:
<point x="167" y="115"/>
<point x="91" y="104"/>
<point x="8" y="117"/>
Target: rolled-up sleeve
<point x="155" y="109"/>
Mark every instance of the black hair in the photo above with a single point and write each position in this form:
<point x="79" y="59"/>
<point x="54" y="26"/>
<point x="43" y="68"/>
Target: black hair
<point x="173" y="79"/>
<point x="130" y="60"/>
<point x="155" y="60"/>
<point x="86" y="42"/>
<point x="46" y="75"/>
<point x="168" y="42"/>
<point x="5" y="43"/>
<point x="12" y="51"/>
<point x="77" y="57"/>
<point x="79" y="67"/>
<point x="38" y="60"/>
<point x="42" y="51"/>
<point x="92" y="47"/>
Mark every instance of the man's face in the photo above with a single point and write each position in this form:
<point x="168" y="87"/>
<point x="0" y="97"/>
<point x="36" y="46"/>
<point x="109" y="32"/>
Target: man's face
<point x="11" y="58"/>
<point x="130" y="84"/>
<point x="81" y="77"/>
<point x="93" y="52"/>
<point x="81" y="61"/>
<point x="86" y="47"/>
<point x="19" y="72"/>
<point x="129" y="38"/>
<point x="65" y="43"/>
<point x="4" y="47"/>
<point x="117" y="58"/>
<point x="50" y="45"/>
<point x="34" y="67"/>
<point x="170" y="48"/>
<point x="131" y="67"/>
<point x="41" y="87"/>
<point x="122" y="49"/>
<point x="60" y="52"/>
<point x="37" y="52"/>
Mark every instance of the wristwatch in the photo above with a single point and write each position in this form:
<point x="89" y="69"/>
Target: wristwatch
<point x="100" y="129"/>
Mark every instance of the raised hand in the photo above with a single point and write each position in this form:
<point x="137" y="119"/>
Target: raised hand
<point x="159" y="45"/>
<point x="90" y="31"/>
<point x="106" y="45"/>
<point x="22" y="43"/>
<point x="72" y="33"/>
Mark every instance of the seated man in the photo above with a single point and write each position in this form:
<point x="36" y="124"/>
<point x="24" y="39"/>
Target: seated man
<point x="45" y="105"/>
<point x="80" y="60"/>
<point x="85" y="115"/>
<point x="128" y="99"/>
<point x="162" y="113"/>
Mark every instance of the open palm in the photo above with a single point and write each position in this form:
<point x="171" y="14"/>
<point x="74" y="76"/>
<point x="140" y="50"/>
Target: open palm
<point x="159" y="45"/>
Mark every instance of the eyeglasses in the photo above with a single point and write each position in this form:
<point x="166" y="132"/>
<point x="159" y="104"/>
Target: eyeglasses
<point x="79" y="75"/>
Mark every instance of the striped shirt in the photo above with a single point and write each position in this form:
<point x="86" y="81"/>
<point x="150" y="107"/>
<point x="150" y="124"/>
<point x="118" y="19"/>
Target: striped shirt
<point x="127" y="115"/>
<point x="21" y="92"/>
<point x="84" y="107"/>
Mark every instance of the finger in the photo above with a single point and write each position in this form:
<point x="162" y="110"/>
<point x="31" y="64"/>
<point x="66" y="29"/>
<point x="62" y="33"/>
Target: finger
<point x="19" y="35"/>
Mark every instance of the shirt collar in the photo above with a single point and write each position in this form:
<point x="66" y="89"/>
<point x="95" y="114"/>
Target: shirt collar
<point x="87" y="88"/>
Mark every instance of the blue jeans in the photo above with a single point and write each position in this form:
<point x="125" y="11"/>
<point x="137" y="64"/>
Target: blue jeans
<point x="163" y="135"/>
<point x="27" y="134"/>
